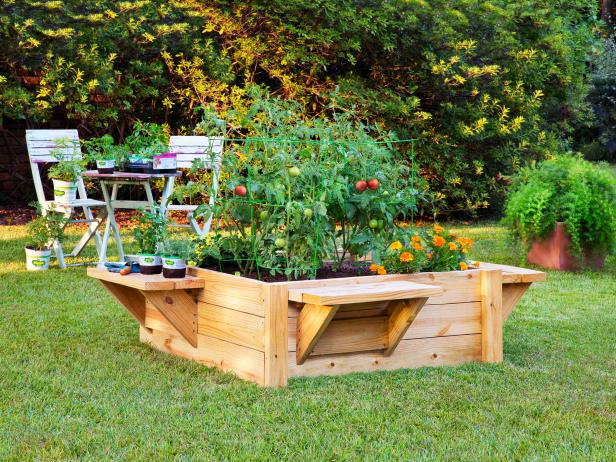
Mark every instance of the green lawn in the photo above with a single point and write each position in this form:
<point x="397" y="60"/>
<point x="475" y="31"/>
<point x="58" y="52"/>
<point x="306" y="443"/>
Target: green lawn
<point x="75" y="383"/>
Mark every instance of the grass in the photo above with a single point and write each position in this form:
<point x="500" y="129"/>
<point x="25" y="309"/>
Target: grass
<point x="76" y="384"/>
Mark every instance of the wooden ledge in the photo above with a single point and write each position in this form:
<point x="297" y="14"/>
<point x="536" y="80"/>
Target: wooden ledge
<point x="363" y="293"/>
<point x="146" y="282"/>
<point x="514" y="274"/>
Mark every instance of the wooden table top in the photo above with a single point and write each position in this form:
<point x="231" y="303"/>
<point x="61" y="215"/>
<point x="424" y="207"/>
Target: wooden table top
<point x="128" y="175"/>
<point x="146" y="282"/>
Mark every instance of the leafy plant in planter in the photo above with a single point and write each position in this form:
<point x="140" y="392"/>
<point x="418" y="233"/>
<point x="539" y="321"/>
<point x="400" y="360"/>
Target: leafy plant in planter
<point x="568" y="192"/>
<point x="176" y="254"/>
<point x="42" y="232"/>
<point x="146" y="141"/>
<point x="66" y="171"/>
<point x="105" y="153"/>
<point x="150" y="234"/>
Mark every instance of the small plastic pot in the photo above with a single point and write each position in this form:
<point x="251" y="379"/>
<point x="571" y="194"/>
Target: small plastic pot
<point x="64" y="192"/>
<point x="173" y="267"/>
<point x="165" y="163"/>
<point x="150" y="263"/>
<point x="105" y="166"/>
<point x="37" y="260"/>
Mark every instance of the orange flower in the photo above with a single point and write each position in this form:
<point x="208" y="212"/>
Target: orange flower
<point x="438" y="229"/>
<point x="395" y="245"/>
<point x="415" y="239"/>
<point x="463" y="266"/>
<point x="429" y="256"/>
<point x="381" y="271"/>
<point x="374" y="267"/>
<point x="406" y="256"/>
<point x="453" y="246"/>
<point x="417" y="246"/>
<point x="476" y="264"/>
<point x="439" y="241"/>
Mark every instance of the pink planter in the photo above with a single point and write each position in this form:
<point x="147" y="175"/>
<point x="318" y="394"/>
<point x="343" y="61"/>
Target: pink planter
<point x="553" y="252"/>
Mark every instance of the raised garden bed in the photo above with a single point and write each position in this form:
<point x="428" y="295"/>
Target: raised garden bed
<point x="270" y="332"/>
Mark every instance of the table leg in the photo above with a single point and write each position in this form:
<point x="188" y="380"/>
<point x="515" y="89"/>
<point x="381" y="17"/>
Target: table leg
<point x="149" y="195"/>
<point x="167" y="191"/>
<point x="114" y="225"/>
<point x="102" y="254"/>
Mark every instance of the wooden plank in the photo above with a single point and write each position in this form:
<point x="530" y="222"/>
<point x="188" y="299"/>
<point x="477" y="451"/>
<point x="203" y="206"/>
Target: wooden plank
<point x="311" y="323"/>
<point x="491" y="316"/>
<point x="244" y="362"/>
<point x="403" y="313"/>
<point x="231" y="325"/>
<point x="368" y="333"/>
<point x="512" y="294"/>
<point x="440" y="351"/>
<point x="155" y="320"/>
<point x="276" y="301"/>
<point x="369" y="292"/>
<point x="131" y="299"/>
<point x="146" y="282"/>
<point x="514" y="274"/>
<point x="179" y="308"/>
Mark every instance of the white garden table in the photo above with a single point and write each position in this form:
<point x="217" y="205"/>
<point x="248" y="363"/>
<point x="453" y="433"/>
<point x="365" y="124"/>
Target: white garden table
<point x="113" y="181"/>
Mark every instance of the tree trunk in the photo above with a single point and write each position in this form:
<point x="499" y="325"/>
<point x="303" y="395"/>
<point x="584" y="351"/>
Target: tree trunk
<point x="606" y="11"/>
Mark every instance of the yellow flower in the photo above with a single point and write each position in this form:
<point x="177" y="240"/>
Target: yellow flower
<point x="438" y="229"/>
<point x="453" y="246"/>
<point x="463" y="266"/>
<point x="415" y="239"/>
<point x="417" y="246"/>
<point x="438" y="241"/>
<point x="374" y="267"/>
<point x="381" y="271"/>
<point x="476" y="264"/>
<point x="395" y="245"/>
<point x="406" y="256"/>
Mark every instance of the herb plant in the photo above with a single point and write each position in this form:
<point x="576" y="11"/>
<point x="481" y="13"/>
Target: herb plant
<point x="70" y="164"/>
<point x="151" y="231"/>
<point x="44" y="229"/>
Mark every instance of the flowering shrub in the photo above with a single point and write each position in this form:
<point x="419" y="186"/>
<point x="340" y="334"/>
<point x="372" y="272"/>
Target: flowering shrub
<point x="432" y="250"/>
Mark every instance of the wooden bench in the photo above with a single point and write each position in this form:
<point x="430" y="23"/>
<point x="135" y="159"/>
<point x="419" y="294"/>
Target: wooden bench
<point x="169" y="296"/>
<point x="321" y="304"/>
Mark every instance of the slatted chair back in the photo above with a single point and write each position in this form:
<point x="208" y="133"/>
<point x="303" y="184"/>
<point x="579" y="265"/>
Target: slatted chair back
<point x="188" y="148"/>
<point x="42" y="145"/>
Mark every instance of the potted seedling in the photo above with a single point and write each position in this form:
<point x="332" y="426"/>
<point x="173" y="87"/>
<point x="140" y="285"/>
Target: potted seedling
<point x="42" y="232"/>
<point x="150" y="234"/>
<point x="147" y="143"/>
<point x="564" y="211"/>
<point x="101" y="150"/>
<point x="176" y="253"/>
<point x="66" y="172"/>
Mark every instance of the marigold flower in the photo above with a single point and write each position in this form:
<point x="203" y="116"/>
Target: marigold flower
<point x="417" y="246"/>
<point x="415" y="239"/>
<point x="438" y="241"/>
<point x="453" y="246"/>
<point x="395" y="245"/>
<point x="374" y="267"/>
<point x="429" y="256"/>
<point x="381" y="270"/>
<point x="463" y="266"/>
<point x="438" y="229"/>
<point x="406" y="256"/>
<point x="476" y="264"/>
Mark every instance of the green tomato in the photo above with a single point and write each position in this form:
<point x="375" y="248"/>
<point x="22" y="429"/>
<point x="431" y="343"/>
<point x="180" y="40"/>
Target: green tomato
<point x="381" y="224"/>
<point x="280" y="243"/>
<point x="263" y="215"/>
<point x="385" y="193"/>
<point x="373" y="224"/>
<point x="308" y="213"/>
<point x="294" y="172"/>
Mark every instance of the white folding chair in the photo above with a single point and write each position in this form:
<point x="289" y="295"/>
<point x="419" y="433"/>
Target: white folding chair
<point x="40" y="145"/>
<point x="209" y="150"/>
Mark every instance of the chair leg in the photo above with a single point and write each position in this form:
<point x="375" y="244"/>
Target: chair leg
<point x="91" y="232"/>
<point x="57" y="248"/>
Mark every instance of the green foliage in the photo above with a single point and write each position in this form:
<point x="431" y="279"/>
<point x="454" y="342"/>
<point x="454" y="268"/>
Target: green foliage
<point x="70" y="164"/>
<point x="565" y="189"/>
<point x="147" y="140"/>
<point x="44" y="229"/>
<point x="183" y="248"/>
<point x="486" y="85"/>
<point x="151" y="231"/>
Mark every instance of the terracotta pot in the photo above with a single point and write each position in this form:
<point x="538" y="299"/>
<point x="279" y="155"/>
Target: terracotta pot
<point x="554" y="253"/>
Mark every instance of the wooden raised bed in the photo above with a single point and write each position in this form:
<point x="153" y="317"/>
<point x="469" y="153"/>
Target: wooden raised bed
<point x="269" y="332"/>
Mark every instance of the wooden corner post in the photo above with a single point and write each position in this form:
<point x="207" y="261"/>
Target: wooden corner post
<point x="491" y="316"/>
<point x="276" y="334"/>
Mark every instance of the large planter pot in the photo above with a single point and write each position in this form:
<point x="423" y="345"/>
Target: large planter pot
<point x="64" y="192"/>
<point x="270" y="332"/>
<point x="554" y="253"/>
<point x="37" y="260"/>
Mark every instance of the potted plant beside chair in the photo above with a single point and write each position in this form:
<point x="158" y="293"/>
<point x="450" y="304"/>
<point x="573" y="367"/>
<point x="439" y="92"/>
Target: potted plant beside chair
<point x="65" y="173"/>
<point x="42" y="232"/>
<point x="564" y="211"/>
<point x="150" y="234"/>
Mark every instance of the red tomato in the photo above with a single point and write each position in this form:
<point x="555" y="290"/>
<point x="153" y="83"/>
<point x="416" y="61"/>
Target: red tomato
<point x="240" y="190"/>
<point x="373" y="184"/>
<point x="361" y="185"/>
